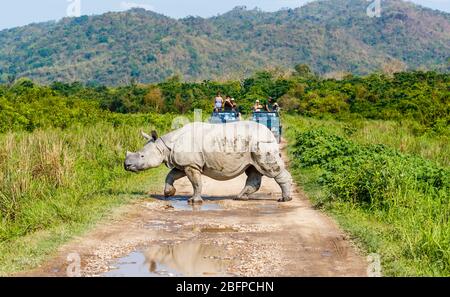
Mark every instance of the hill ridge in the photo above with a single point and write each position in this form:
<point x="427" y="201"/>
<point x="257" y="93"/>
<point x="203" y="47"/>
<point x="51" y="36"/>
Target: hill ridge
<point x="329" y="35"/>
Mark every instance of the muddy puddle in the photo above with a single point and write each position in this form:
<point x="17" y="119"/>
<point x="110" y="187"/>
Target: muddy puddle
<point x="184" y="259"/>
<point x="225" y="229"/>
<point x="270" y="208"/>
<point x="183" y="205"/>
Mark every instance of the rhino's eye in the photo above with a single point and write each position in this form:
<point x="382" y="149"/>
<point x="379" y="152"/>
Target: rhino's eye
<point x="142" y="156"/>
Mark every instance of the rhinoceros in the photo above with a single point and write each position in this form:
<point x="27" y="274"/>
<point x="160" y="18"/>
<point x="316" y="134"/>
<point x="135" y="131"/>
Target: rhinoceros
<point x="219" y="151"/>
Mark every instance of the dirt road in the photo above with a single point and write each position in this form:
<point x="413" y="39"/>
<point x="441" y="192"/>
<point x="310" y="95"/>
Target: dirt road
<point x="260" y="237"/>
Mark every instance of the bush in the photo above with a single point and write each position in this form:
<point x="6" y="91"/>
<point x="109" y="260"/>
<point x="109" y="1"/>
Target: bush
<point x="49" y="173"/>
<point x="317" y="147"/>
<point x="407" y="192"/>
<point x="366" y="173"/>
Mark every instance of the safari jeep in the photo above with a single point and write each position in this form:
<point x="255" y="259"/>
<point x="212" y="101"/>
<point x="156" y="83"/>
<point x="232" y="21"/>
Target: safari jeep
<point x="224" y="117"/>
<point x="271" y="120"/>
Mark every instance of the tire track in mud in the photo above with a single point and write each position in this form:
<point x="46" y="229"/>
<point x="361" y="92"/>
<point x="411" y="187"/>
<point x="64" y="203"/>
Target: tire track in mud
<point x="259" y="237"/>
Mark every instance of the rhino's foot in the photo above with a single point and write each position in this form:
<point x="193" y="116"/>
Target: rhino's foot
<point x="285" y="199"/>
<point x="169" y="191"/>
<point x="195" y="200"/>
<point x="241" y="198"/>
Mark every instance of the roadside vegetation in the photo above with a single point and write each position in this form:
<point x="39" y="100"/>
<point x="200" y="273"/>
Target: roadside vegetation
<point x="372" y="151"/>
<point x="55" y="183"/>
<point x="391" y="193"/>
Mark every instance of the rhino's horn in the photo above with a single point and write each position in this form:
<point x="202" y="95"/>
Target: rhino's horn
<point x="145" y="135"/>
<point x="128" y="153"/>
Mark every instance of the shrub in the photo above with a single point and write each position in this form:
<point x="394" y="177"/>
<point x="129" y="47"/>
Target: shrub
<point x="406" y="192"/>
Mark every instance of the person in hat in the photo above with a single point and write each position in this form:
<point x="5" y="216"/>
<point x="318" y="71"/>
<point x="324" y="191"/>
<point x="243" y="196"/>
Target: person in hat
<point x="233" y="103"/>
<point x="236" y="108"/>
<point x="276" y="108"/>
<point x="257" y="107"/>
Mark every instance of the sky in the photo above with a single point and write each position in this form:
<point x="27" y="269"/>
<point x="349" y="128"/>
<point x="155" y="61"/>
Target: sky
<point x="15" y="13"/>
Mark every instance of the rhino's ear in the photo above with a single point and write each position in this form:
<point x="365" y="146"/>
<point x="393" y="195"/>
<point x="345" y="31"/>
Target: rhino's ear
<point x="146" y="136"/>
<point x="154" y="135"/>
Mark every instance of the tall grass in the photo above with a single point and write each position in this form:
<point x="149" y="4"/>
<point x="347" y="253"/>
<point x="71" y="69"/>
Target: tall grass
<point x="397" y="204"/>
<point x="49" y="177"/>
<point x="405" y="136"/>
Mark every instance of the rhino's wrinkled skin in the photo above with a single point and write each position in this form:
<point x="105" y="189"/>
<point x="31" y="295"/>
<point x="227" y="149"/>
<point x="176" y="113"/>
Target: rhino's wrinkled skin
<point x="219" y="151"/>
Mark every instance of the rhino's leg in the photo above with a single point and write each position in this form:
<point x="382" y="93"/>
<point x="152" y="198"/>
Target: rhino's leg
<point x="284" y="179"/>
<point x="195" y="177"/>
<point x="271" y="165"/>
<point x="252" y="184"/>
<point x="174" y="175"/>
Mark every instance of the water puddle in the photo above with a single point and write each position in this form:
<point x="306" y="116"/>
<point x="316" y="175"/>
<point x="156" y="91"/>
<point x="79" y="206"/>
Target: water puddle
<point x="185" y="259"/>
<point x="268" y="208"/>
<point x="205" y="206"/>
<point x="159" y="225"/>
<point x="218" y="229"/>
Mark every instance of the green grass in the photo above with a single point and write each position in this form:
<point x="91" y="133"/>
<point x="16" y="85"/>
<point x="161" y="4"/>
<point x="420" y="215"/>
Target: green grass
<point x="394" y="202"/>
<point x="407" y="136"/>
<point x="29" y="251"/>
<point x="55" y="184"/>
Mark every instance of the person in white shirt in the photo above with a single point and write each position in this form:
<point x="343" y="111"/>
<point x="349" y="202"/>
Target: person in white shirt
<point x="218" y="103"/>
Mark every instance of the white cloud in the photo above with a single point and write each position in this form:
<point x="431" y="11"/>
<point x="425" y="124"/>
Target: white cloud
<point x="128" y="5"/>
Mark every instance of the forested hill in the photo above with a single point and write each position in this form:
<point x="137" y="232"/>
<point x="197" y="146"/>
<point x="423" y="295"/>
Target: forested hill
<point x="331" y="36"/>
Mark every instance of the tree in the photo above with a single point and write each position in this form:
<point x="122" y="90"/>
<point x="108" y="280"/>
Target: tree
<point x="153" y="100"/>
<point x="11" y="79"/>
<point x="303" y="70"/>
<point x="182" y="106"/>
